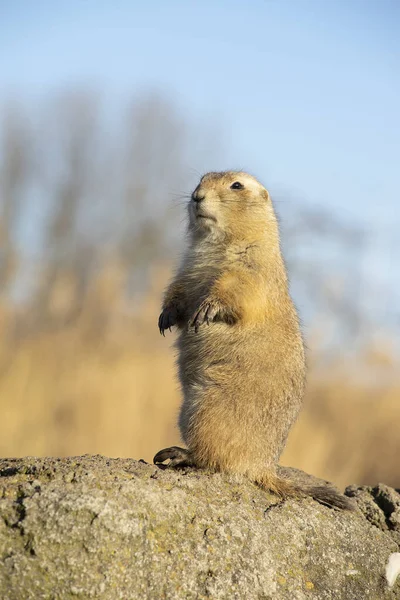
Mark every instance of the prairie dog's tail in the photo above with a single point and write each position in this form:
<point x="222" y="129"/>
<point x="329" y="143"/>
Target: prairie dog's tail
<point x="324" y="494"/>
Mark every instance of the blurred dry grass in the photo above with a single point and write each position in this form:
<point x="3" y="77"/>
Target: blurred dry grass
<point x="83" y="368"/>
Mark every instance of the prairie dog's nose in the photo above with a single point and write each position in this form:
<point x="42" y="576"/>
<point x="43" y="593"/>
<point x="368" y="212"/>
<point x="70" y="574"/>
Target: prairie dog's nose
<point x="197" y="195"/>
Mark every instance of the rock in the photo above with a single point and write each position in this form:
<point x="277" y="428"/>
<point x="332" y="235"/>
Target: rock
<point x="380" y="505"/>
<point x="94" y="527"/>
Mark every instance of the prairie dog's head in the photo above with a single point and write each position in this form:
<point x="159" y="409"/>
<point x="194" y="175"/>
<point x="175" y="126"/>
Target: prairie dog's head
<point x="230" y="204"/>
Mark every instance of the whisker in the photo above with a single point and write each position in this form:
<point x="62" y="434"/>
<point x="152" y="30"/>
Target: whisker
<point x="195" y="172"/>
<point x="179" y="193"/>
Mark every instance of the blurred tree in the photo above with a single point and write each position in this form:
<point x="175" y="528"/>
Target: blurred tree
<point x="15" y="172"/>
<point x="324" y="255"/>
<point x="67" y="255"/>
<point x="106" y="196"/>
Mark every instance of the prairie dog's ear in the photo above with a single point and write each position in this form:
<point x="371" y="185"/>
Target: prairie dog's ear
<point x="265" y="195"/>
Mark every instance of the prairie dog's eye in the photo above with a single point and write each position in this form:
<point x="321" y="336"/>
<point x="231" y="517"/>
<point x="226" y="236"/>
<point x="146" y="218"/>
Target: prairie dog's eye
<point x="237" y="186"/>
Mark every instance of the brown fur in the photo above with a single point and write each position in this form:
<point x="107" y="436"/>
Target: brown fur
<point x="241" y="355"/>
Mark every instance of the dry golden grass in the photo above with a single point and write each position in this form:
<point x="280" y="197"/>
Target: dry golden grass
<point x="64" y="393"/>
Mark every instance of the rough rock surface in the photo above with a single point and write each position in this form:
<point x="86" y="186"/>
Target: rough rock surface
<point x="94" y="527"/>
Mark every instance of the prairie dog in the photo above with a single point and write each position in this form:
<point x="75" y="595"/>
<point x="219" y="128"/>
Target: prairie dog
<point x="240" y="349"/>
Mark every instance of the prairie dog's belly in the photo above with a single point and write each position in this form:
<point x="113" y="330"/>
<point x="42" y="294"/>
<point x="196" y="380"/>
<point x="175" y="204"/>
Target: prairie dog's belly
<point x="241" y="367"/>
<point x="212" y="348"/>
<point x="230" y="362"/>
<point x="239" y="392"/>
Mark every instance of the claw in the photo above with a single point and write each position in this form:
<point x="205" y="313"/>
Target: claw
<point x="160" y="327"/>
<point x="167" y="319"/>
<point x="206" y="314"/>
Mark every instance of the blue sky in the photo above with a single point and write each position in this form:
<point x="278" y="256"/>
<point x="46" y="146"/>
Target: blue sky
<point x="306" y="92"/>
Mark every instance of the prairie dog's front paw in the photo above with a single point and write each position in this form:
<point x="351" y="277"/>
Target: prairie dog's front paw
<point x="167" y="319"/>
<point x="206" y="313"/>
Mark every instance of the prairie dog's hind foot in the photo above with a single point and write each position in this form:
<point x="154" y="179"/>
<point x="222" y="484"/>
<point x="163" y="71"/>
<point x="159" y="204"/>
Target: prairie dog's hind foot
<point x="178" y="458"/>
